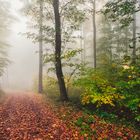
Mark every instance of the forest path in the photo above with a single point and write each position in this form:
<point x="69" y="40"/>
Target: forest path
<point x="27" y="117"/>
<point x="30" y="116"/>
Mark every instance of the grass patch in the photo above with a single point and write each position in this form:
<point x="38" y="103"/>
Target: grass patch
<point x="74" y="96"/>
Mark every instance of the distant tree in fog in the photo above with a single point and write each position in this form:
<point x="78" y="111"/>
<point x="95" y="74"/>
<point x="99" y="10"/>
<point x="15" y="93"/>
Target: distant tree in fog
<point x="5" y="21"/>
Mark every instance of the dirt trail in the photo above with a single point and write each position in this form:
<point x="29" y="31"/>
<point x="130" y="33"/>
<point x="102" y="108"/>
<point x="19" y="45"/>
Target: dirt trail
<point x="26" y="117"/>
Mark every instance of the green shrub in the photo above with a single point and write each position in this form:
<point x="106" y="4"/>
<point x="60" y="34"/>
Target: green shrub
<point x="97" y="89"/>
<point x="129" y="86"/>
<point x="123" y="94"/>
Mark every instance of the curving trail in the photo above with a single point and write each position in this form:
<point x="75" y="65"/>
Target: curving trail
<point x="26" y="117"/>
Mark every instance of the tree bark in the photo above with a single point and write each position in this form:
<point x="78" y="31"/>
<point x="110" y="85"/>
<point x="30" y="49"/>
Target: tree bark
<point x="126" y="39"/>
<point x="40" y="81"/>
<point x="58" y="42"/>
<point x="94" y="33"/>
<point x="134" y="39"/>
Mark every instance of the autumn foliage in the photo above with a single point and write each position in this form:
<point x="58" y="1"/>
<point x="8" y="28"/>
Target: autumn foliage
<point x="29" y="117"/>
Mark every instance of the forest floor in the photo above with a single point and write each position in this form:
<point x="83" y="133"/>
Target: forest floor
<point x="27" y="116"/>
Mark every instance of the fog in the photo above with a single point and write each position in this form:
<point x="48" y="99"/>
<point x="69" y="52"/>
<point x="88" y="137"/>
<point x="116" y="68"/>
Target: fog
<point x="22" y="54"/>
<point x="23" y="69"/>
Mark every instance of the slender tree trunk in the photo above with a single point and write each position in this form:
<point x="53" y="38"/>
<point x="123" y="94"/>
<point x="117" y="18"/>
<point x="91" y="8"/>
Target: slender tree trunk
<point x="82" y="46"/>
<point x="111" y="54"/>
<point x="126" y="43"/>
<point x="134" y="40"/>
<point x="40" y="83"/>
<point x="94" y="32"/>
<point x="58" y="42"/>
<point x="118" y="41"/>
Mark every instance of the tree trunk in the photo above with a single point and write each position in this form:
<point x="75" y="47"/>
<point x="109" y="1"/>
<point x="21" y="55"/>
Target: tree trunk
<point x="126" y="41"/>
<point x="58" y="42"/>
<point x="94" y="32"/>
<point x="134" y="40"/>
<point x="40" y="82"/>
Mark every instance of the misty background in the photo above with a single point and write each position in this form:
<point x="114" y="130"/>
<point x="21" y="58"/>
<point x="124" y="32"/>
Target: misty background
<point x="23" y="69"/>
